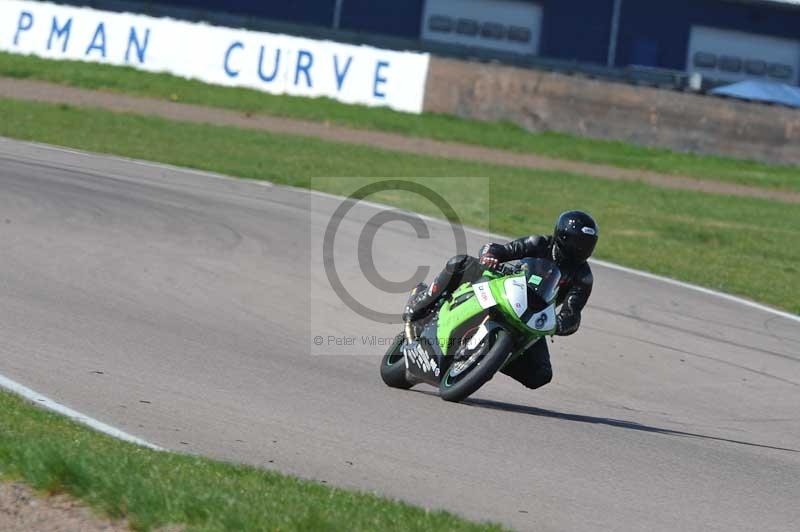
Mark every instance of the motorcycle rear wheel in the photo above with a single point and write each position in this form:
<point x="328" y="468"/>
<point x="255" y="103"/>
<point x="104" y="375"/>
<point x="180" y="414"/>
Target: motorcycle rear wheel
<point x="393" y="366"/>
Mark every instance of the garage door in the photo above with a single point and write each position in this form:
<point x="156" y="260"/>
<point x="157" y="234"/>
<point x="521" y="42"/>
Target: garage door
<point x="736" y="55"/>
<point x="506" y="25"/>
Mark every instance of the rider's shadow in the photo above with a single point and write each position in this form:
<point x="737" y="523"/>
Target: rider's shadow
<point x="611" y="422"/>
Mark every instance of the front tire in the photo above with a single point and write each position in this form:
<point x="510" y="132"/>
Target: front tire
<point x="393" y="366"/>
<point x="457" y="389"/>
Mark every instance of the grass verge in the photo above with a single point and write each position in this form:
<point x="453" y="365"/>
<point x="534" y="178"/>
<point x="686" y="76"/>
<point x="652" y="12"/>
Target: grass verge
<point x="153" y="489"/>
<point x="437" y="126"/>
<point x="712" y="240"/>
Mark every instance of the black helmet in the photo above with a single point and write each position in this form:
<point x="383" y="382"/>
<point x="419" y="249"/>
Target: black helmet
<point x="574" y="237"/>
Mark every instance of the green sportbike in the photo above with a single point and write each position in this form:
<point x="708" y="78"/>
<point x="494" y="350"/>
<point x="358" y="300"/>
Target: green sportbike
<point x="476" y="331"/>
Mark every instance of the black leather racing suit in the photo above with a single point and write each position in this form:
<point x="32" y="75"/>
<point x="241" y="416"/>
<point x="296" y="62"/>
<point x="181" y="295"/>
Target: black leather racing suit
<point x="533" y="367"/>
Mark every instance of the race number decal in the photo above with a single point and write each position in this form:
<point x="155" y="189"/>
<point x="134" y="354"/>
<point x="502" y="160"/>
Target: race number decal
<point x="545" y="320"/>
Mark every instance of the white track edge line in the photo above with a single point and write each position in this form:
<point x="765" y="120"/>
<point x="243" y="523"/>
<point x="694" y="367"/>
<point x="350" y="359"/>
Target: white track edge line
<point x="598" y="262"/>
<point x="602" y="263"/>
<point x="696" y="288"/>
<point x="49" y="404"/>
<point x="140" y="162"/>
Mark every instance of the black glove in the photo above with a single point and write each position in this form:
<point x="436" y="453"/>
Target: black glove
<point x="488" y="260"/>
<point x="567" y="323"/>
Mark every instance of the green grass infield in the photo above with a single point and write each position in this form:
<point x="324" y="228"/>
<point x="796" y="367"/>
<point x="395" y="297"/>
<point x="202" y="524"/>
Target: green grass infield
<point x="436" y="126"/>
<point x="152" y="489"/>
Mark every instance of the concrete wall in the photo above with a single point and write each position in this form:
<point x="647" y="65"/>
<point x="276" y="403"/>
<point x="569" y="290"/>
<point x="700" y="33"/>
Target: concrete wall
<point x="542" y="101"/>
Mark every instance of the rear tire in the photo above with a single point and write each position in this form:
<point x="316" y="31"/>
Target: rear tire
<point x="480" y="374"/>
<point x="393" y="366"/>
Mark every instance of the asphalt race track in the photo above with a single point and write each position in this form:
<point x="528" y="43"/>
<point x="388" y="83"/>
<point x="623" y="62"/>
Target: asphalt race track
<point x="182" y="307"/>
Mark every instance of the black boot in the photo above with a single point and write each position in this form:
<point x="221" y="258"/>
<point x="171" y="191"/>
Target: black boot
<point x="423" y="298"/>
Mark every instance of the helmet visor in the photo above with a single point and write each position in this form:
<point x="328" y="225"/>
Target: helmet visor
<point x="578" y="246"/>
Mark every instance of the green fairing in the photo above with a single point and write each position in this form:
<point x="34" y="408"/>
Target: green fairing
<point x="511" y="317"/>
<point x="470" y="313"/>
<point x="451" y="318"/>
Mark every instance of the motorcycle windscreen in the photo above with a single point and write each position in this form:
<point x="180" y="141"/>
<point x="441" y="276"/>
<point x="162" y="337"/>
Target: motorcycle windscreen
<point x="542" y="277"/>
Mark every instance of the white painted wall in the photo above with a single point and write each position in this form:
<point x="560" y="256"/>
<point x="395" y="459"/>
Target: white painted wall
<point x="274" y="63"/>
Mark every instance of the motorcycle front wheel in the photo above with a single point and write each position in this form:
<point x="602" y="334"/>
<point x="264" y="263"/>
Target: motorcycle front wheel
<point x="464" y="377"/>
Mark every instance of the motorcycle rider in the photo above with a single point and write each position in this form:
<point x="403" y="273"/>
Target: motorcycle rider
<point x="572" y="243"/>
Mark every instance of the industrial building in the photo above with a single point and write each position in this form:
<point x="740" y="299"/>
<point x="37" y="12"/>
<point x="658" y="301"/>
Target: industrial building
<point x="724" y="40"/>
